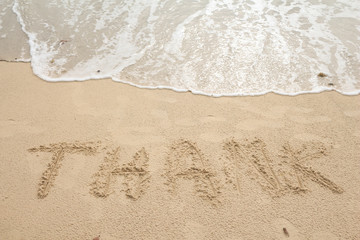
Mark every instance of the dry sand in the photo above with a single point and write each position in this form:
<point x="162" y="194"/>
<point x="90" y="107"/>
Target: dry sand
<point x="83" y="159"/>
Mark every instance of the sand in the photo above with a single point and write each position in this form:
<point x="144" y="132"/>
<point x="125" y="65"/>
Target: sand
<point x="83" y="159"/>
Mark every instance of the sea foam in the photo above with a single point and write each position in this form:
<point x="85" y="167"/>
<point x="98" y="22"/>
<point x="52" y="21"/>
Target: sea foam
<point x="217" y="48"/>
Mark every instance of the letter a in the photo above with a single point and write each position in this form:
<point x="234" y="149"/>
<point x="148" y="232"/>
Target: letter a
<point x="185" y="161"/>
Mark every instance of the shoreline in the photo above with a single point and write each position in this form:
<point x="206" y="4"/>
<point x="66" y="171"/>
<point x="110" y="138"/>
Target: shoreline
<point x="244" y="167"/>
<point x="195" y="92"/>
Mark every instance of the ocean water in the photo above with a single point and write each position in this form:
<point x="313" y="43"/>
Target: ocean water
<point x="14" y="44"/>
<point x="211" y="47"/>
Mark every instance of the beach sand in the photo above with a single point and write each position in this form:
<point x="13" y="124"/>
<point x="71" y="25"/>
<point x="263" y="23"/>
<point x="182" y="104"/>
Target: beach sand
<point x="83" y="159"/>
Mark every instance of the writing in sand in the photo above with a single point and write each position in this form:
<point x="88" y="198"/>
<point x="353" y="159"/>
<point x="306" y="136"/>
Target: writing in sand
<point x="286" y="173"/>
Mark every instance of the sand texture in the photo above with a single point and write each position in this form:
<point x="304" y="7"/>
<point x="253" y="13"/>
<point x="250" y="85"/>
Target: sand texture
<point x="99" y="158"/>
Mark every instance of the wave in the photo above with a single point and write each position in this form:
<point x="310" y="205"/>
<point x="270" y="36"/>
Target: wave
<point x="210" y="47"/>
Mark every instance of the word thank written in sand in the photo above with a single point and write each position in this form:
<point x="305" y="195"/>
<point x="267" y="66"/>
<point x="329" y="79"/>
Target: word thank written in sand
<point x="284" y="174"/>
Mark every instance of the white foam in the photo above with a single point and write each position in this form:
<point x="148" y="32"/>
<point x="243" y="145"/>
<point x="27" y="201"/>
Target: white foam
<point x="215" y="48"/>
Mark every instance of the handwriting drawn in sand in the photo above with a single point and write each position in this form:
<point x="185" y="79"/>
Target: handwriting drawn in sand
<point x="135" y="173"/>
<point x="58" y="151"/>
<point x="275" y="177"/>
<point x="296" y="158"/>
<point x="288" y="172"/>
<point x="186" y="161"/>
